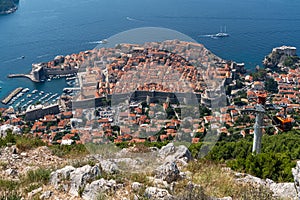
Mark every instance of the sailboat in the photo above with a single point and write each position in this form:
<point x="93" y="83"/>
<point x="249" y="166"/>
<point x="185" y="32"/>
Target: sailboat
<point x="221" y="33"/>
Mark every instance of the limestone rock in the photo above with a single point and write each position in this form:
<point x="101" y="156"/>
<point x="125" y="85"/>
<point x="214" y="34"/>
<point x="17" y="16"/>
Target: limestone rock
<point x="80" y="176"/>
<point x="284" y="190"/>
<point x="179" y="154"/>
<point x="91" y="191"/>
<point x="296" y="174"/>
<point x="157" y="194"/>
<point x="168" y="172"/>
<point x="166" y="150"/>
<point x="280" y="190"/>
<point x="109" y="167"/>
<point x="61" y="174"/>
<point x="136" y="186"/>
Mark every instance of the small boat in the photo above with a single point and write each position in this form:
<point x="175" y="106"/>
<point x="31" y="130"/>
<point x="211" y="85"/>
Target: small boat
<point x="103" y="41"/>
<point x="25" y="90"/>
<point x="22" y="57"/>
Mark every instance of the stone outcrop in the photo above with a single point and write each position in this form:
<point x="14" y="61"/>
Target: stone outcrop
<point x="280" y="190"/>
<point x="109" y="167"/>
<point x="93" y="190"/>
<point x="168" y="172"/>
<point x="80" y="176"/>
<point x="296" y="174"/>
<point x="60" y="175"/>
<point x="171" y="153"/>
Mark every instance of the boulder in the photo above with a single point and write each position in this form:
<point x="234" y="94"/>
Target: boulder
<point x="182" y="155"/>
<point x="246" y="178"/>
<point x="61" y="174"/>
<point x="92" y="190"/>
<point x="80" y="176"/>
<point x="172" y="153"/>
<point x="109" y="167"/>
<point x="166" y="150"/>
<point x="296" y="174"/>
<point x="182" y="152"/>
<point x="284" y="190"/>
<point x="157" y="194"/>
<point x="280" y="190"/>
<point x="168" y="172"/>
<point x="136" y="186"/>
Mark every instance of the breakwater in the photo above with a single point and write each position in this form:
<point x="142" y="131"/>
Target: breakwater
<point x="7" y="99"/>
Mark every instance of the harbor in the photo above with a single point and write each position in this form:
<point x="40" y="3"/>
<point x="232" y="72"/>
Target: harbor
<point x="22" y="98"/>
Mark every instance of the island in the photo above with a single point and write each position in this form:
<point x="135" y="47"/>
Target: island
<point x="8" y="6"/>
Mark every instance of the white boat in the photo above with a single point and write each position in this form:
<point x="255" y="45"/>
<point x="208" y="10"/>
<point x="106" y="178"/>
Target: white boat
<point x="25" y="90"/>
<point x="221" y="33"/>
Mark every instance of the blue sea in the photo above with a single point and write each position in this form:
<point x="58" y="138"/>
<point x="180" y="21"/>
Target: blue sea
<point x="40" y="30"/>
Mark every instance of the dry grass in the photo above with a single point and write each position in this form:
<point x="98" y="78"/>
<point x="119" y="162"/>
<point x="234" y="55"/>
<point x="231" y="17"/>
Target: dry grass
<point x="217" y="182"/>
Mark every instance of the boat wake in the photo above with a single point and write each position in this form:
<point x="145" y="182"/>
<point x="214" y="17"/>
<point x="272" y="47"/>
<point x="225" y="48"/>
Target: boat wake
<point x="209" y="36"/>
<point x="206" y="36"/>
<point x="14" y="59"/>
<point x="133" y="19"/>
<point x="95" y="42"/>
<point x="42" y="56"/>
<point x="99" y="42"/>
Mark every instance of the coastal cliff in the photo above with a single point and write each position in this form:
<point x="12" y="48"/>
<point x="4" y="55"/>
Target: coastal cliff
<point x="8" y="6"/>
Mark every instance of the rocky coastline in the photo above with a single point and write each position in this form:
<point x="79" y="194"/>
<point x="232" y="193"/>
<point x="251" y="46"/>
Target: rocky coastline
<point x="8" y="6"/>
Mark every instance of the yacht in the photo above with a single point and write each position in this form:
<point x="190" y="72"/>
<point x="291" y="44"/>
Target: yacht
<point x="221" y="33"/>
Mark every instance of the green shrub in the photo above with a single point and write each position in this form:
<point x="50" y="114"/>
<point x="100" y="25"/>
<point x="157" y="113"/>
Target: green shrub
<point x="37" y="176"/>
<point x="25" y="143"/>
<point x="11" y="196"/>
<point x="8" y="185"/>
<point x="69" y="151"/>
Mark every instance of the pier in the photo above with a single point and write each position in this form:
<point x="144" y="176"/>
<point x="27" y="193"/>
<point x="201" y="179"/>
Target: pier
<point x="7" y="99"/>
<point x="29" y="76"/>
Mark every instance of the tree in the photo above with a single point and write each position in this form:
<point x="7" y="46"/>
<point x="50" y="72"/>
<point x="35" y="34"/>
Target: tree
<point x="260" y="75"/>
<point x="271" y="85"/>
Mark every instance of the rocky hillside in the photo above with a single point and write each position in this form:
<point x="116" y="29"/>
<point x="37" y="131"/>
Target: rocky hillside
<point x="8" y="6"/>
<point x="38" y="174"/>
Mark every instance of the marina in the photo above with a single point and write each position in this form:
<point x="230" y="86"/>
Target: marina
<point x="21" y="98"/>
